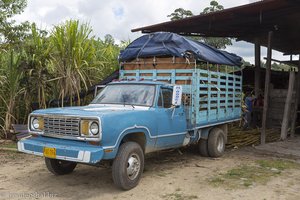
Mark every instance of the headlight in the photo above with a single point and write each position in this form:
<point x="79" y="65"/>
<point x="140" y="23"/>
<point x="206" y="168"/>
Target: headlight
<point x="89" y="128"/>
<point x="94" y="128"/>
<point x="37" y="123"/>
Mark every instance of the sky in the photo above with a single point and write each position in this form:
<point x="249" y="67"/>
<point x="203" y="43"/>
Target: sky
<point x="117" y="18"/>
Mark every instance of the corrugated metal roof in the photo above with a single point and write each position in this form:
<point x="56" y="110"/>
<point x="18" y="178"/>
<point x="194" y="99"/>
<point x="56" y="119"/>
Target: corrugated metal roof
<point x="248" y="22"/>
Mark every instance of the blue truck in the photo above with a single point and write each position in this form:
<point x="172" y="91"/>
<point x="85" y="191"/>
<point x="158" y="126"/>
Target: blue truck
<point x="146" y="110"/>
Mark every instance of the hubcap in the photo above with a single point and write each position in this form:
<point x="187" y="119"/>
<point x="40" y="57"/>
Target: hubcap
<point x="133" y="166"/>
<point x="220" y="144"/>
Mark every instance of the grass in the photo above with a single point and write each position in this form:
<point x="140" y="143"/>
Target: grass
<point x="177" y="195"/>
<point x="12" y="155"/>
<point x="6" y="155"/>
<point x="259" y="172"/>
<point x="163" y="173"/>
<point x="278" y="164"/>
<point x="9" y="145"/>
<point x="217" y="180"/>
<point x="8" y="151"/>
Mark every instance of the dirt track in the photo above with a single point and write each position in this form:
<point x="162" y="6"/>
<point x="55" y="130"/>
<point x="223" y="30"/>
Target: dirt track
<point x="167" y="175"/>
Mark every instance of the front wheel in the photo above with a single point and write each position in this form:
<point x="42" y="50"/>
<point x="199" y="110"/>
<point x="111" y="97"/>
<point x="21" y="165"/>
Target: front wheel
<point x="60" y="167"/>
<point x="216" y="142"/>
<point x="128" y="166"/>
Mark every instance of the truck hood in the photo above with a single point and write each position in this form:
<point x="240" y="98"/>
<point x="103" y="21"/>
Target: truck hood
<point x="97" y="110"/>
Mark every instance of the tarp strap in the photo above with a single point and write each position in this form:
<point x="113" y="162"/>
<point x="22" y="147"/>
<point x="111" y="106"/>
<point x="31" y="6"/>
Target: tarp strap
<point x="150" y="36"/>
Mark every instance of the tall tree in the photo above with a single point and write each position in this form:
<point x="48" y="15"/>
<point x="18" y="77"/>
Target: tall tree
<point x="214" y="6"/>
<point x="180" y="13"/>
<point x="217" y="42"/>
<point x="10" y="32"/>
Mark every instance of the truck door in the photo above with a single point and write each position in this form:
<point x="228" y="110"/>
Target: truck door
<point x="171" y="121"/>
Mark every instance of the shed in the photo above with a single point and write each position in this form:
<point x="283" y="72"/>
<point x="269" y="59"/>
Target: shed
<point x="274" y="24"/>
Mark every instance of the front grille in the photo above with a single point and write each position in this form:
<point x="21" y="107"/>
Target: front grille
<point x="61" y="126"/>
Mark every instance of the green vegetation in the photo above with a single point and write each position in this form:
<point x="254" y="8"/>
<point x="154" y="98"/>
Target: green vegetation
<point x="73" y="54"/>
<point x="9" y="155"/>
<point x="280" y="165"/>
<point x="246" y="176"/>
<point x="178" y="195"/>
<point x="37" y="67"/>
<point x="11" y="145"/>
<point x="163" y="173"/>
<point x="217" y="42"/>
<point x="180" y="13"/>
<point x="10" y="32"/>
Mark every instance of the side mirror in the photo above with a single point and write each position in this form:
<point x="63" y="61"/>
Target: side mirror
<point x="177" y="94"/>
<point x="97" y="87"/>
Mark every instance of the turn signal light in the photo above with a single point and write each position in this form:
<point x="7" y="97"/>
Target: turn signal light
<point x="84" y="127"/>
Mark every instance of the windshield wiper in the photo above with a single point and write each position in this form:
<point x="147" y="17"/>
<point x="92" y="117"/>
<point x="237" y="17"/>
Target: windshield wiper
<point x="100" y="98"/>
<point x="124" y="101"/>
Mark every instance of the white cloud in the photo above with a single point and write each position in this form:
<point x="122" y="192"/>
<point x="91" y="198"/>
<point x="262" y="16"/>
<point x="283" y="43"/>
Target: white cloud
<point x="118" y="17"/>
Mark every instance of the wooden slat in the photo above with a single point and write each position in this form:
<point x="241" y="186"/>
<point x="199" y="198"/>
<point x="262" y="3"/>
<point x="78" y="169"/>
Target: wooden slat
<point x="159" y="63"/>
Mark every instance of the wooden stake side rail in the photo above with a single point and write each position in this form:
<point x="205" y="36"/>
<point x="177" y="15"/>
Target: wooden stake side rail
<point x="210" y="97"/>
<point x="160" y="63"/>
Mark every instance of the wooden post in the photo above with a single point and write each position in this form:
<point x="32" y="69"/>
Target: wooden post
<point x="287" y="107"/>
<point x="257" y="67"/>
<point x="297" y="95"/>
<point x="267" y="84"/>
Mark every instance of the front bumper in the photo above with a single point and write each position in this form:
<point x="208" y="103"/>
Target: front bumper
<point x="75" y="151"/>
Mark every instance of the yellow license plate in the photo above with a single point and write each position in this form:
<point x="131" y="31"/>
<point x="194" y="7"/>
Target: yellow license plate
<point x="49" y="152"/>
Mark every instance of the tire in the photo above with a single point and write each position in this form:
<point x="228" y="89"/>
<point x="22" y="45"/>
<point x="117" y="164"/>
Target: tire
<point x="128" y="166"/>
<point x="60" y="167"/>
<point x="202" y="145"/>
<point x="216" y="143"/>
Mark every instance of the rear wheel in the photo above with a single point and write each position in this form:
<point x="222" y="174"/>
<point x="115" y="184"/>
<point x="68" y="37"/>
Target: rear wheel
<point x="128" y="166"/>
<point x="202" y="145"/>
<point x="60" y="167"/>
<point x="216" y="142"/>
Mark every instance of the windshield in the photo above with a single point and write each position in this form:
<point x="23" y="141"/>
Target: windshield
<point x="126" y="94"/>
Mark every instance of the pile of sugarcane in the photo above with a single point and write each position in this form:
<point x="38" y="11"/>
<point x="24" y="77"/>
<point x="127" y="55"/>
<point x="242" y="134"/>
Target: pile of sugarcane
<point x="238" y="137"/>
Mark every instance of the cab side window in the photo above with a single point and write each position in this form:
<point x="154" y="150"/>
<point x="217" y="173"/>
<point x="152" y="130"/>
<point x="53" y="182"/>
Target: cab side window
<point x="165" y="98"/>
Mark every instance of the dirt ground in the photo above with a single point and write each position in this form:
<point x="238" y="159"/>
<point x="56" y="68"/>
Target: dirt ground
<point x="169" y="175"/>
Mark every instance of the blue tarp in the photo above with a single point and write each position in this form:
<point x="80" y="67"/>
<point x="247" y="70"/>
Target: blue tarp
<point x="171" y="44"/>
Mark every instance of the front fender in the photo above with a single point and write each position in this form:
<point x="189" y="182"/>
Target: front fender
<point x="117" y="126"/>
<point x="111" y="151"/>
